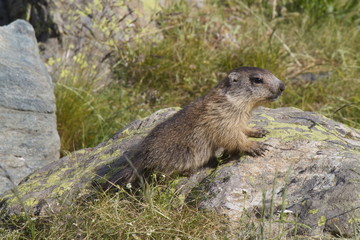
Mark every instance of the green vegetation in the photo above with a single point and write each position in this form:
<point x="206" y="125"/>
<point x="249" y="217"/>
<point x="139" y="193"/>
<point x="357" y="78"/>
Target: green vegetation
<point x="198" y="46"/>
<point x="123" y="216"/>
<point x="155" y="213"/>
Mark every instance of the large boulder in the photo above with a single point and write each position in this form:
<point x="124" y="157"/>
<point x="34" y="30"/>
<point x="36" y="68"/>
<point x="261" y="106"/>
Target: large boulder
<point x="28" y="139"/>
<point x="78" y="174"/>
<point x="311" y="172"/>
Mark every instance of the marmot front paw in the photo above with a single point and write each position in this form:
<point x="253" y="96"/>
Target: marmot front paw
<point x="257" y="149"/>
<point x="257" y="132"/>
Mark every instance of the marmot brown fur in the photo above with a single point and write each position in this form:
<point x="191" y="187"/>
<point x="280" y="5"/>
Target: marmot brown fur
<point x="186" y="141"/>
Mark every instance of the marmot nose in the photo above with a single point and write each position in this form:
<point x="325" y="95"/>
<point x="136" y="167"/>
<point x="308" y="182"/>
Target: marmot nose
<point x="282" y="87"/>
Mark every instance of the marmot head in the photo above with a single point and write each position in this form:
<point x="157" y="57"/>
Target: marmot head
<point x="253" y="85"/>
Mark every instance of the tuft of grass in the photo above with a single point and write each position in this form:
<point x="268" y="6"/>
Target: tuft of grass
<point x="154" y="212"/>
<point x="89" y="110"/>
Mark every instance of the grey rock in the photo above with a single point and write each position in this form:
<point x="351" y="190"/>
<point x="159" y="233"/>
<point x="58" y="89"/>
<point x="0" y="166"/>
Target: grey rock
<point x="75" y="176"/>
<point x="313" y="163"/>
<point x="310" y="77"/>
<point x="28" y="139"/>
<point x="311" y="171"/>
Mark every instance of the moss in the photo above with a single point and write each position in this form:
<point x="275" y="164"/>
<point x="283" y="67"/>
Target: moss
<point x="56" y="177"/>
<point x="81" y="151"/>
<point x="101" y="149"/>
<point x="291" y="131"/>
<point x="354" y="220"/>
<point x="30" y="202"/>
<point x="115" y="154"/>
<point x="313" y="211"/>
<point x="269" y="118"/>
<point x="322" y="221"/>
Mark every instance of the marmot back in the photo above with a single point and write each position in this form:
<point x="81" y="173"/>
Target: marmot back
<point x="188" y="140"/>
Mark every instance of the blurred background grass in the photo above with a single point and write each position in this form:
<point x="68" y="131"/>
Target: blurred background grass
<point x="289" y="38"/>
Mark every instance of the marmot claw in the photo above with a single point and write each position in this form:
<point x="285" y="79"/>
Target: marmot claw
<point x="258" y="150"/>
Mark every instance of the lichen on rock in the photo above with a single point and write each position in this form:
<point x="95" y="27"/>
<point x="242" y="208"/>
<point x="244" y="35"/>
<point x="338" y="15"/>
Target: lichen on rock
<point x="311" y="171"/>
<point x="29" y="138"/>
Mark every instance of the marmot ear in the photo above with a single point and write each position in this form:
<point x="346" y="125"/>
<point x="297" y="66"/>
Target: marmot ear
<point x="234" y="77"/>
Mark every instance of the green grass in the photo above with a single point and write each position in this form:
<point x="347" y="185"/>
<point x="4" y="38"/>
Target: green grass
<point x="198" y="47"/>
<point x="155" y="213"/>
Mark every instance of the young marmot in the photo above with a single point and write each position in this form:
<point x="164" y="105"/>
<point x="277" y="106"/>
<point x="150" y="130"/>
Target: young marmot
<point x="188" y="140"/>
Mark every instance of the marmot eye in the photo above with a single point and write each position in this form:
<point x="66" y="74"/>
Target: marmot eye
<point x="257" y="80"/>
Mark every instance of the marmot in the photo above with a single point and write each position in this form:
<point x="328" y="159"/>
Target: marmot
<point x="186" y="141"/>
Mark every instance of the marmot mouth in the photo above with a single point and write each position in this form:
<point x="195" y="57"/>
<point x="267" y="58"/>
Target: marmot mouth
<point x="274" y="98"/>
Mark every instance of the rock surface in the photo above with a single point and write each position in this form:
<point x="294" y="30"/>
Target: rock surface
<point x="28" y="139"/>
<point x="73" y="176"/>
<point x="313" y="160"/>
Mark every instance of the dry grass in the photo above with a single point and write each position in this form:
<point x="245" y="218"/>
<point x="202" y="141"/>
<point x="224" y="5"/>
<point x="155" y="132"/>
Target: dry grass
<point x="198" y="47"/>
